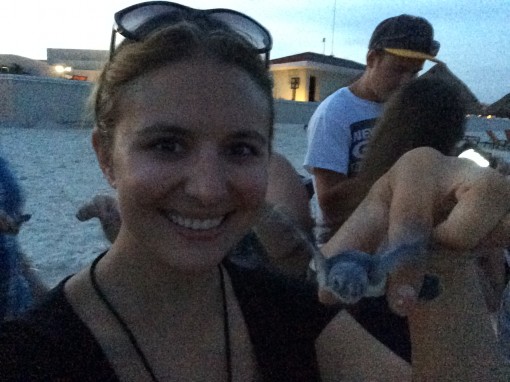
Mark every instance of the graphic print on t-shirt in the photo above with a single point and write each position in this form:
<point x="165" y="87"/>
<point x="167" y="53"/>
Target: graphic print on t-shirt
<point x="360" y="134"/>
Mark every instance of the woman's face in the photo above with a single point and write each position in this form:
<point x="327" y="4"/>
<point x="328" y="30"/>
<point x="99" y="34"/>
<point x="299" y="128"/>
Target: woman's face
<point x="189" y="161"/>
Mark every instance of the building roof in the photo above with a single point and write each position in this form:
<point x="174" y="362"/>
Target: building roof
<point x="27" y="65"/>
<point x="318" y="58"/>
<point x="500" y="108"/>
<point x="442" y="72"/>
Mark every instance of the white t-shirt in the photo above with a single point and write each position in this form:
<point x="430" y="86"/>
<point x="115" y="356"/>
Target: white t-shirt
<point x="337" y="136"/>
<point x="339" y="131"/>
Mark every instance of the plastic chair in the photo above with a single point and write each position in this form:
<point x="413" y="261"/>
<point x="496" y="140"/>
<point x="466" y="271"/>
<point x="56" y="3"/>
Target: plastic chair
<point x="495" y="140"/>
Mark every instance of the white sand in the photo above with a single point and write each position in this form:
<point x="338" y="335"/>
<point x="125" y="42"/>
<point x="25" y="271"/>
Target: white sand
<point x="58" y="172"/>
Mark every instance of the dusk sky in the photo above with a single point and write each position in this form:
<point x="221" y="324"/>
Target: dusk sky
<point x="474" y="34"/>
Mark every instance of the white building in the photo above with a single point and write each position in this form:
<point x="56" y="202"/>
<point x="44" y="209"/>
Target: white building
<point x="311" y="77"/>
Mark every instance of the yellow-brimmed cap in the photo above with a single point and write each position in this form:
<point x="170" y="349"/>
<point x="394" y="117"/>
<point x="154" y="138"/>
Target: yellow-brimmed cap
<point x="406" y="36"/>
<point x="411" y="54"/>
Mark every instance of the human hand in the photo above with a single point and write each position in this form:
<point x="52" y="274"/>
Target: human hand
<point x="444" y="201"/>
<point x="11" y="224"/>
<point x="101" y="207"/>
<point x="289" y="248"/>
<point x="349" y="276"/>
<point x="105" y="208"/>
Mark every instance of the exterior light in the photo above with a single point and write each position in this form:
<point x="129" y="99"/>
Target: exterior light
<point x="62" y="69"/>
<point x="475" y="157"/>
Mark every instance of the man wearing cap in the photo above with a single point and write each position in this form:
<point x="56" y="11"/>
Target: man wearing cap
<point x="339" y="131"/>
<point x="341" y="126"/>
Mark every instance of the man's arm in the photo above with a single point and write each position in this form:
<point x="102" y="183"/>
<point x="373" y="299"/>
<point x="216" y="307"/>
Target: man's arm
<point x="338" y="195"/>
<point x="347" y="352"/>
<point x="452" y="335"/>
<point x="286" y="190"/>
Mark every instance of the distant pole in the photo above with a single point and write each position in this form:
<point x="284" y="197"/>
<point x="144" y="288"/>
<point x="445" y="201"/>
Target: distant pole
<point x="333" y="29"/>
<point x="324" y="45"/>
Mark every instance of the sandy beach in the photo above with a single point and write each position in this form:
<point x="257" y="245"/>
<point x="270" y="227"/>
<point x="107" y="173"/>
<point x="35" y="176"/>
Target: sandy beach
<point x="58" y="172"/>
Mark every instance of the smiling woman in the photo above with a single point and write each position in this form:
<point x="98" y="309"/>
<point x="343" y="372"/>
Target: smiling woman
<point x="189" y="184"/>
<point x="183" y="132"/>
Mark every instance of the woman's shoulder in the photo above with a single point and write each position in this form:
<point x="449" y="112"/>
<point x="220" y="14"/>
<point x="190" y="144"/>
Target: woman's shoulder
<point x="27" y="342"/>
<point x="47" y="342"/>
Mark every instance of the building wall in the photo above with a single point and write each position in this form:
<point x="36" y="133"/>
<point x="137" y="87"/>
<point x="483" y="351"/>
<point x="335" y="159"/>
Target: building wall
<point x="329" y="82"/>
<point x="294" y="112"/>
<point x="27" y="101"/>
<point x="92" y="75"/>
<point x="282" y="84"/>
<point x="326" y="82"/>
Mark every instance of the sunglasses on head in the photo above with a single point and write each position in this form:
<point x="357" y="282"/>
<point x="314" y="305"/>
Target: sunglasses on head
<point x="138" y="21"/>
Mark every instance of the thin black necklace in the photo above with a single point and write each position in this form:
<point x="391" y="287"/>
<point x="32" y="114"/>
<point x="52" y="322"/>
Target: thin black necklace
<point x="131" y="336"/>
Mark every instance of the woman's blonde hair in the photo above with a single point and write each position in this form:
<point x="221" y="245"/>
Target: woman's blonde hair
<point x="425" y="112"/>
<point x="180" y="41"/>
